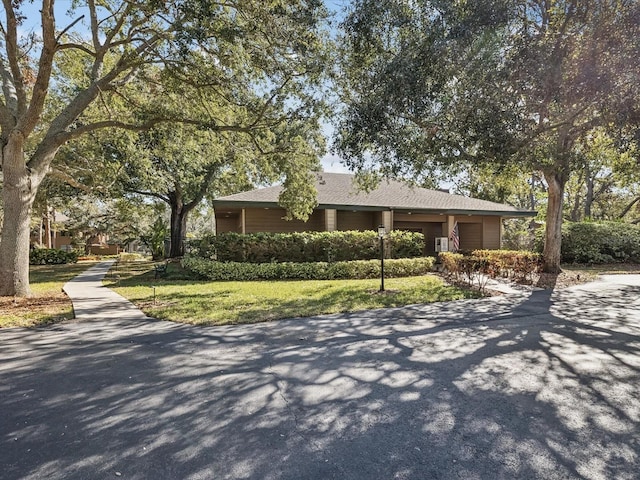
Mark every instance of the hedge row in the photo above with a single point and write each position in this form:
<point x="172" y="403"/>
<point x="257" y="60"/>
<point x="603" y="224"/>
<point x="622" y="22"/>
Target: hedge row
<point x="356" y="269"/>
<point x="305" y="246"/>
<point x="602" y="242"/>
<point x="481" y="265"/>
<point x="51" y="256"/>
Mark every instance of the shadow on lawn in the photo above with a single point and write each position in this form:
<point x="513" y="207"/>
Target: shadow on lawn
<point x="544" y="386"/>
<point x="243" y="306"/>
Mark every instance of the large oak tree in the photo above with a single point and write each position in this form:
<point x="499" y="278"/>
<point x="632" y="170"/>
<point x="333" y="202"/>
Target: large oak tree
<point x="437" y="84"/>
<point x="255" y="58"/>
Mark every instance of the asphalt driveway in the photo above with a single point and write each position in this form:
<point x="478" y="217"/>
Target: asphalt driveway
<point x="522" y="386"/>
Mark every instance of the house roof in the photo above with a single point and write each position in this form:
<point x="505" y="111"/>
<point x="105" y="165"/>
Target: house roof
<point x="337" y="190"/>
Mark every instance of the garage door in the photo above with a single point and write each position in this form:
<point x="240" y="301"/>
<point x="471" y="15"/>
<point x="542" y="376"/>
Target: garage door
<point x="470" y="236"/>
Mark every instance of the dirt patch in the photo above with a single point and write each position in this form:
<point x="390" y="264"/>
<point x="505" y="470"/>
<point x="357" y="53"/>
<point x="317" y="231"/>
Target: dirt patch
<point x="15" y="304"/>
<point x="33" y="311"/>
<point x="563" y="279"/>
<point x="578" y="274"/>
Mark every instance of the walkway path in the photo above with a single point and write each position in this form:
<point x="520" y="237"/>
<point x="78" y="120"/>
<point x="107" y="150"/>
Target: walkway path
<point x="93" y="301"/>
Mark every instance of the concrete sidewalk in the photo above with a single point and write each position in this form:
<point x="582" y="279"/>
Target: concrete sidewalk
<point x="93" y="301"/>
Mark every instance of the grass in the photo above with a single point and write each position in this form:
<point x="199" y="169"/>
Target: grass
<point x="48" y="304"/>
<point x="220" y="303"/>
<point x="182" y="299"/>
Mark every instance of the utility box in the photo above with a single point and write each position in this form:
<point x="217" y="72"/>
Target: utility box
<point x="442" y="244"/>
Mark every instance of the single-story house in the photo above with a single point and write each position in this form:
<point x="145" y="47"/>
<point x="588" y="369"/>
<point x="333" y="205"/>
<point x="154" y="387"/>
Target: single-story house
<point x="394" y="204"/>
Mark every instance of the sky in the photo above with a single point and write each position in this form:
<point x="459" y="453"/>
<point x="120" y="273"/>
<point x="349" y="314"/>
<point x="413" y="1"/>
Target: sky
<point x="331" y="162"/>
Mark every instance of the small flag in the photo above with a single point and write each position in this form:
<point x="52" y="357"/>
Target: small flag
<point x="455" y="238"/>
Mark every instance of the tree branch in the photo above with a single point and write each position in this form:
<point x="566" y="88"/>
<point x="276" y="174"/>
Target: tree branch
<point x="76" y="46"/>
<point x="45" y="65"/>
<point x="204" y="186"/>
<point x="150" y="194"/>
<point x="68" y="27"/>
<point x="626" y="209"/>
<point x="13" y="55"/>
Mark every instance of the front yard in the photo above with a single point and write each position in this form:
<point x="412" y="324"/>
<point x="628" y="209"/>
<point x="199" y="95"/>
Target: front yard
<point x="180" y="299"/>
<point x="48" y="303"/>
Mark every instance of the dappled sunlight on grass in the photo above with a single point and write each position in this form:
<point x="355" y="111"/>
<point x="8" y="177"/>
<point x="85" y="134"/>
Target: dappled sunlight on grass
<point x="219" y="303"/>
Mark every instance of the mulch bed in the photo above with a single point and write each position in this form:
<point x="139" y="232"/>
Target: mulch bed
<point x="21" y="306"/>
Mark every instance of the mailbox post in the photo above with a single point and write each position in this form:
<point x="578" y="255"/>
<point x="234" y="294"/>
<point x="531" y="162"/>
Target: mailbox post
<point x="381" y="233"/>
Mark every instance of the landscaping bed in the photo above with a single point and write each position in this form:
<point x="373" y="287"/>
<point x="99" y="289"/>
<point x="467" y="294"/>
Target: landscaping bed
<point x="48" y="304"/>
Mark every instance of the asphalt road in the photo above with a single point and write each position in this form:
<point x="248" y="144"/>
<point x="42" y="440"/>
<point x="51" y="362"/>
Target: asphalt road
<point x="514" y="387"/>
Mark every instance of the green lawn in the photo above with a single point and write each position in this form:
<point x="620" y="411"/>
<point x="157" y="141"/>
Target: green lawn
<point x="220" y="303"/>
<point x="48" y="304"/>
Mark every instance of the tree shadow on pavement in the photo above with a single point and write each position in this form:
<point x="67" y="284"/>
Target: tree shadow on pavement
<point x="539" y="386"/>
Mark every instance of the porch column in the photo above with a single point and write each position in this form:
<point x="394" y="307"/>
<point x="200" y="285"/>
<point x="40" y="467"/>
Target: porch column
<point x="451" y="221"/>
<point x="243" y="221"/>
<point x="387" y="220"/>
<point x="330" y="220"/>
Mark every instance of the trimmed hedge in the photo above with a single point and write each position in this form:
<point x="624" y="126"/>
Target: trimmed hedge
<point x="51" y="256"/>
<point x="509" y="263"/>
<point x="357" y="269"/>
<point x="305" y="246"/>
<point x="483" y="264"/>
<point x="601" y="242"/>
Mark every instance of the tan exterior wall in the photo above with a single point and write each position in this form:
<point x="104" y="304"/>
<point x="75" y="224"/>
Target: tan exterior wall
<point x="491" y="233"/>
<point x="479" y="232"/>
<point x="418" y="217"/>
<point x="348" y="220"/>
<point x="470" y="235"/>
<point x="228" y="224"/>
<point x="100" y="250"/>
<point x="330" y="219"/>
<point x="476" y="232"/>
<point x="270" y="220"/>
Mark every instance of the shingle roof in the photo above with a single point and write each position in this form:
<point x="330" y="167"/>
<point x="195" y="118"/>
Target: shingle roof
<point x="337" y="190"/>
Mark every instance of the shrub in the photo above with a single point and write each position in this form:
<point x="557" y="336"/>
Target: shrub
<point x="509" y="263"/>
<point x="51" y="256"/>
<point x="305" y="246"/>
<point x="480" y="265"/>
<point x="451" y="263"/>
<point x="129" y="257"/>
<point x="601" y="242"/>
<point x="356" y="269"/>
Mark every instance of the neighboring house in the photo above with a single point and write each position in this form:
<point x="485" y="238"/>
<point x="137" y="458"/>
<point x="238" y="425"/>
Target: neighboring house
<point x="52" y="233"/>
<point x="394" y="204"/>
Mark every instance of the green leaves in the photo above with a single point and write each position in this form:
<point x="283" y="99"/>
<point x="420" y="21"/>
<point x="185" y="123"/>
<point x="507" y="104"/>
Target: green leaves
<point x="355" y="269"/>
<point x="306" y="246"/>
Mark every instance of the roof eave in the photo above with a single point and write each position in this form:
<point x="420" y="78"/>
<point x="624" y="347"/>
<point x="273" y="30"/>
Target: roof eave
<point x="370" y="208"/>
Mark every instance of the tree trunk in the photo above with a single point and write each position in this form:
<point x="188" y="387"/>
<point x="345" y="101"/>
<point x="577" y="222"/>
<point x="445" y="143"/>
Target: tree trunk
<point x="41" y="231"/>
<point x="48" y="229"/>
<point x="588" y="201"/>
<point x="18" y="193"/>
<point x="629" y="207"/>
<point x="553" y="231"/>
<point x="575" y="211"/>
<point x="178" y="228"/>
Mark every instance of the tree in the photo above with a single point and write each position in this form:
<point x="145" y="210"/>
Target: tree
<point x="181" y="165"/>
<point x="603" y="170"/>
<point x="259" y="59"/>
<point x="440" y="84"/>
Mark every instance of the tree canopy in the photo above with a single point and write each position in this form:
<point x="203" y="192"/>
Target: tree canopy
<point x="238" y="67"/>
<point x="438" y="85"/>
